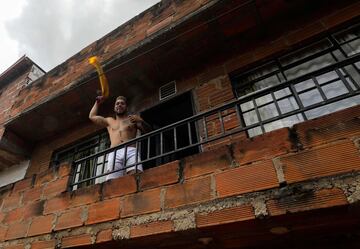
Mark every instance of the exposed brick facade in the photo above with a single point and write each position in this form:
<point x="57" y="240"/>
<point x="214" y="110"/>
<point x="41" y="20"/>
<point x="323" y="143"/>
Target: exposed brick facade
<point x="233" y="183"/>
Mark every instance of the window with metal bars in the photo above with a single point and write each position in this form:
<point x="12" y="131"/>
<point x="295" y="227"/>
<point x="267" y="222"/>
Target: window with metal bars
<point x="83" y="148"/>
<point x="306" y="89"/>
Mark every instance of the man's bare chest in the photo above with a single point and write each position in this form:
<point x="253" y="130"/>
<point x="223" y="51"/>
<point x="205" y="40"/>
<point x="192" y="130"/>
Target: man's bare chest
<point x="122" y="125"/>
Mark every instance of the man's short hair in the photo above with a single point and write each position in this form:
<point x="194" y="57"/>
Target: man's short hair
<point x="121" y="97"/>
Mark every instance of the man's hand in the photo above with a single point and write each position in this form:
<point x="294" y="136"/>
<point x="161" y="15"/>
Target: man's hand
<point x="135" y="119"/>
<point x="100" y="99"/>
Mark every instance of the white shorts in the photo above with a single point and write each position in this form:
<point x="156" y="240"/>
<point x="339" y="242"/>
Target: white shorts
<point x="120" y="165"/>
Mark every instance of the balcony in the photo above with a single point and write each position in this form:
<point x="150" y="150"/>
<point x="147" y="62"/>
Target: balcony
<point x="228" y="121"/>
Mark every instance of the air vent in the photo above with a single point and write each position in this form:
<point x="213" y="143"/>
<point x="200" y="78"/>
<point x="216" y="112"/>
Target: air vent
<point x="167" y="90"/>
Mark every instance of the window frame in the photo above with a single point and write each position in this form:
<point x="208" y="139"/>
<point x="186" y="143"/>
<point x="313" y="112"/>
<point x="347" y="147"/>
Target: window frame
<point x="245" y="83"/>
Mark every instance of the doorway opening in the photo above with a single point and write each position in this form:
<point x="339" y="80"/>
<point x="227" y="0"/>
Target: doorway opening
<point x="166" y="113"/>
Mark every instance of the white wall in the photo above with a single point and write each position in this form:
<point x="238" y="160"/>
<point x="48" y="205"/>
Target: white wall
<point x="14" y="173"/>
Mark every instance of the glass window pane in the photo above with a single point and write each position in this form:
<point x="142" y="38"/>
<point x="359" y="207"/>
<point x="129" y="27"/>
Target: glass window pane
<point x="333" y="107"/>
<point x="310" y="66"/>
<point x="334" y="89"/>
<point x="250" y="118"/>
<point x="285" y="122"/>
<point x="310" y="97"/>
<point x="305" y="52"/>
<point x="353" y="73"/>
<point x="282" y="93"/>
<point x="357" y="64"/>
<point x="348" y="34"/>
<point x="338" y="54"/>
<point x="255" y="131"/>
<point x="247" y="106"/>
<point x="264" y="99"/>
<point x="304" y="85"/>
<point x="327" y="77"/>
<point x="258" y="72"/>
<point x="352" y="48"/>
<point x="351" y="84"/>
<point x="288" y="105"/>
<point x="268" y="111"/>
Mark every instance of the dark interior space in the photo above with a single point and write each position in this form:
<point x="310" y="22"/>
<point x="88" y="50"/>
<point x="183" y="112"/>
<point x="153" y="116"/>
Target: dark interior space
<point x="161" y="115"/>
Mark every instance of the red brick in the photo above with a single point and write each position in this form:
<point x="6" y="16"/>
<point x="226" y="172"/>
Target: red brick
<point x="167" y="21"/>
<point x="246" y="179"/>
<point x="104" y="211"/>
<point x="43" y="244"/>
<point x="207" y="162"/>
<point x="119" y="186"/>
<point x="22" y="185"/>
<point x="34" y="209"/>
<point x="85" y="196"/>
<point x="45" y="177"/>
<point x="104" y="236"/>
<point x="266" y="146"/>
<point x="14" y="215"/>
<point x="305" y="33"/>
<point x="70" y="218"/>
<point x="17" y="230"/>
<point x="56" y="187"/>
<point x="21" y="246"/>
<point x="159" y="176"/>
<point x="308" y="201"/>
<point x="192" y="191"/>
<point x="270" y="49"/>
<point x="64" y="170"/>
<point x="3" y="231"/>
<point x="342" y="15"/>
<point x="225" y="216"/>
<point x="33" y="194"/>
<point x="56" y="204"/>
<point x="77" y="240"/>
<point x="11" y="202"/>
<point x="2" y="216"/>
<point x="41" y="225"/>
<point x="239" y="62"/>
<point x="151" y="229"/>
<point x="319" y="162"/>
<point x="332" y="127"/>
<point x="141" y="203"/>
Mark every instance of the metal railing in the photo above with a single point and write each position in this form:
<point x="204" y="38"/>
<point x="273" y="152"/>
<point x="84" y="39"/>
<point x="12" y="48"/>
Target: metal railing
<point x="226" y="120"/>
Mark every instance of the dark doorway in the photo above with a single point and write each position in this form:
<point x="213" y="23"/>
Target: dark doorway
<point x="166" y="113"/>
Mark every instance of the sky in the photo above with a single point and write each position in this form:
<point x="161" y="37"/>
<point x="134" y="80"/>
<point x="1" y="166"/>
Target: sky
<point x="51" y="31"/>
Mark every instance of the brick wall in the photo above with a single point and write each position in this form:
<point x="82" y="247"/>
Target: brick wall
<point x="41" y="156"/>
<point x="211" y="85"/>
<point x="39" y="211"/>
<point x="325" y="149"/>
<point x="119" y="40"/>
<point x="9" y="94"/>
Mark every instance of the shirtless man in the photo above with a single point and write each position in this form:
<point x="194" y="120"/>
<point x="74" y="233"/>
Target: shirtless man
<point x="122" y="128"/>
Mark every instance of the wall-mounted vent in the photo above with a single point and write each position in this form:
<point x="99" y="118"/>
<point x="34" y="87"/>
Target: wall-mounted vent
<point x="167" y="90"/>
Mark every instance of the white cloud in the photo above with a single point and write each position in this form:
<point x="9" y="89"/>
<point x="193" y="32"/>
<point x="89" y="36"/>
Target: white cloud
<point x="49" y="32"/>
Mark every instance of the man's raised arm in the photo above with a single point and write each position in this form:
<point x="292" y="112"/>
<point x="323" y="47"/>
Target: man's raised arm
<point x="99" y="120"/>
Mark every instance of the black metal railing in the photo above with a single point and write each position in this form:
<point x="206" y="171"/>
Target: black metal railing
<point x="267" y="113"/>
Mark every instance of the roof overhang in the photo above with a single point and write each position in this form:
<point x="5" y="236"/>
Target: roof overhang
<point x="175" y="52"/>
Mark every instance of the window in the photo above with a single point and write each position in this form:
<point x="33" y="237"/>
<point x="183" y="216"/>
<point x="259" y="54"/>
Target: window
<point x="81" y="149"/>
<point x="302" y="82"/>
<point x="34" y="74"/>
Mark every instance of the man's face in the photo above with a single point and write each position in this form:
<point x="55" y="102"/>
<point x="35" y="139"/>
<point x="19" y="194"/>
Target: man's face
<point x="120" y="107"/>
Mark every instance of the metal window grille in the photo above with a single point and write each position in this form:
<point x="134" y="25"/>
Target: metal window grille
<point x="83" y="148"/>
<point x="313" y="88"/>
<point x="276" y="96"/>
